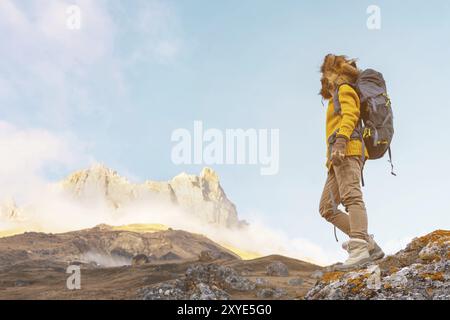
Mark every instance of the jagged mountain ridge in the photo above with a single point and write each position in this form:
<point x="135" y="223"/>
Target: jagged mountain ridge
<point x="201" y="196"/>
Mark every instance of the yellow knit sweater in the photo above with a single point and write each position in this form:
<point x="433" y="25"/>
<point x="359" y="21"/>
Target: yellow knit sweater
<point x="345" y="122"/>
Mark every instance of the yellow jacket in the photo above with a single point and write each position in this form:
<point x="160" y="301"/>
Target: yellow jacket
<point x="345" y="122"/>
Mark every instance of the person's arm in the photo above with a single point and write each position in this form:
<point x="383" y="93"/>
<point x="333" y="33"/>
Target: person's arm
<point x="350" y="111"/>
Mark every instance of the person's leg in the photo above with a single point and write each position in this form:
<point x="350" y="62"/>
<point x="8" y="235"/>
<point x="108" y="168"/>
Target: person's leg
<point x="348" y="176"/>
<point x="329" y="201"/>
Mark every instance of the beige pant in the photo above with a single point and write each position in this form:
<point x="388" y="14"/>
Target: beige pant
<point x="343" y="186"/>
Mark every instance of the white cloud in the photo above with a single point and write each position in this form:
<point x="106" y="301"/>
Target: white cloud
<point x="45" y="62"/>
<point x="25" y="154"/>
<point x="58" y="71"/>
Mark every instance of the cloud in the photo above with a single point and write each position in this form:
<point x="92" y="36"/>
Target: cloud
<point x="46" y="64"/>
<point x="26" y="154"/>
<point x="53" y="74"/>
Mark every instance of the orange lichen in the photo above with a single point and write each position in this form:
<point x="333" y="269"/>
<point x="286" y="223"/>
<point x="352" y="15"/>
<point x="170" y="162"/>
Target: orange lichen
<point x="432" y="258"/>
<point x="438" y="236"/>
<point x="437" y="276"/>
<point x="393" y="270"/>
<point x="332" y="276"/>
<point x="358" y="282"/>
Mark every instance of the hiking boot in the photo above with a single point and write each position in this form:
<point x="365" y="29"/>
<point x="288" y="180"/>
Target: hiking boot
<point x="375" y="251"/>
<point x="358" y="251"/>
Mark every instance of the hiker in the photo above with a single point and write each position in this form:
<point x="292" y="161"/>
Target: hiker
<point x="346" y="155"/>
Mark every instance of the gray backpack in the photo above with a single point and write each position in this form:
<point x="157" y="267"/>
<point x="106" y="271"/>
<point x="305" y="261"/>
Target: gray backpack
<point x="376" y="126"/>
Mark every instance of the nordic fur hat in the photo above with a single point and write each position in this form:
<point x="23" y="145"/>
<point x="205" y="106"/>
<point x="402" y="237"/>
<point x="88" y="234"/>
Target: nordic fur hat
<point x="336" y="70"/>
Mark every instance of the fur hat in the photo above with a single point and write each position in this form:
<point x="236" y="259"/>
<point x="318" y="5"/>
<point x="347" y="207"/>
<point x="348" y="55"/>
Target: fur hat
<point x="336" y="70"/>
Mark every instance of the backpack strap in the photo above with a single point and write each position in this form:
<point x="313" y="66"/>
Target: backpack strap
<point x="363" y="151"/>
<point x="336" y="102"/>
<point x="390" y="161"/>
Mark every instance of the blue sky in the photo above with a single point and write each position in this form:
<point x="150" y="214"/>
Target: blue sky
<point x="136" y="71"/>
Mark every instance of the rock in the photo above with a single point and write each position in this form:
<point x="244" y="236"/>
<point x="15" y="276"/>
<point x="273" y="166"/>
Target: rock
<point x="170" y="290"/>
<point x="317" y="274"/>
<point x="210" y="255"/>
<point x="295" y="282"/>
<point x="201" y="282"/>
<point x="205" y="292"/>
<point x="222" y="276"/>
<point x="261" y="282"/>
<point x="277" y="269"/>
<point x="139" y="260"/>
<point x="420" y="271"/>
<point x="268" y="293"/>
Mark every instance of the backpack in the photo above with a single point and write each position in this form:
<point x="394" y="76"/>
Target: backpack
<point x="376" y="126"/>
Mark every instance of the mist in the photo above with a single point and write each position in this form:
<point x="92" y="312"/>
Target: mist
<point x="44" y="206"/>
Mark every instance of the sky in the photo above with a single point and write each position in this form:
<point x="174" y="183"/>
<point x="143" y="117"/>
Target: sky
<point x="114" y="90"/>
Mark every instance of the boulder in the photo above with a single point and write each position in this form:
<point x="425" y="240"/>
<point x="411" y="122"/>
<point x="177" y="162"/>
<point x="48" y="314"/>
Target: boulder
<point x="277" y="269"/>
<point x="269" y="293"/>
<point x="139" y="260"/>
<point x="295" y="282"/>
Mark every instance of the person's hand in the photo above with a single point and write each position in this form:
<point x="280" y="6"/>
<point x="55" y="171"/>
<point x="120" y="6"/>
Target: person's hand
<point x="338" y="151"/>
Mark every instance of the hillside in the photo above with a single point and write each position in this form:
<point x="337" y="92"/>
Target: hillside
<point x="33" y="266"/>
<point x="105" y="246"/>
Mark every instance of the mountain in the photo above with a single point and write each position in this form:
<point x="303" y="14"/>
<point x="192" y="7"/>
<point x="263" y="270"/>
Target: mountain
<point x="116" y="263"/>
<point x="201" y="196"/>
<point x="106" y="246"/>
<point x="419" y="272"/>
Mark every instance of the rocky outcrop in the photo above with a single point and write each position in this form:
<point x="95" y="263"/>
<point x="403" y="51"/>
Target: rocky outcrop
<point x="420" y="271"/>
<point x="201" y="282"/>
<point x="201" y="196"/>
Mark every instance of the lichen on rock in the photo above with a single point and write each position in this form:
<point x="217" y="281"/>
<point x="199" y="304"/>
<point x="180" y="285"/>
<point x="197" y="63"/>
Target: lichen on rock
<point x="420" y="271"/>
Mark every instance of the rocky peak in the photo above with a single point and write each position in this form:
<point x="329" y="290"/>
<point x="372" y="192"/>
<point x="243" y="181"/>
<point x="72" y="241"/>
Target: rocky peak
<point x="201" y="195"/>
<point x="99" y="183"/>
